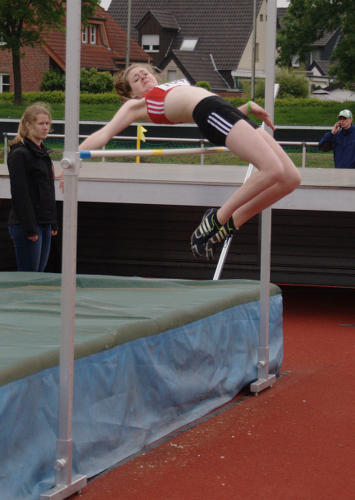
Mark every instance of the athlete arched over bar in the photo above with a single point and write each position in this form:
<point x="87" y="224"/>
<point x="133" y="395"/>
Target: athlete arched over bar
<point x="222" y="124"/>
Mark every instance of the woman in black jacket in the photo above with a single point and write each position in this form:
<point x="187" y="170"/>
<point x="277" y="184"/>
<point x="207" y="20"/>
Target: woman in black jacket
<point x="32" y="219"/>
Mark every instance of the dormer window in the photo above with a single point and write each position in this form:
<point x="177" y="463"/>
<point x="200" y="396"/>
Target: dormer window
<point x="189" y="43"/>
<point x="89" y="34"/>
<point x="85" y="34"/>
<point x="93" y="33"/>
<point x="150" y="43"/>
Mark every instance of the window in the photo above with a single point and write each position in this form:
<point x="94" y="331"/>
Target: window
<point x="4" y="83"/>
<point x="261" y="18"/>
<point x="150" y="43"/>
<point x="93" y="31"/>
<point x="2" y="39"/>
<point x="189" y="43"/>
<point x="89" y="34"/>
<point x="172" y="75"/>
<point x="85" y="35"/>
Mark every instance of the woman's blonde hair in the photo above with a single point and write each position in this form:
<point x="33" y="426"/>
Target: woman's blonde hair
<point x="121" y="84"/>
<point x="29" y="116"/>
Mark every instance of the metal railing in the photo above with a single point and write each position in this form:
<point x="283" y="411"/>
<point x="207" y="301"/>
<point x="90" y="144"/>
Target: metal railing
<point x="303" y="145"/>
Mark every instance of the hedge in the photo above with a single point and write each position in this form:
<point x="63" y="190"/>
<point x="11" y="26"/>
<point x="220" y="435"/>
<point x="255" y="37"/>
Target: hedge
<point x="58" y="97"/>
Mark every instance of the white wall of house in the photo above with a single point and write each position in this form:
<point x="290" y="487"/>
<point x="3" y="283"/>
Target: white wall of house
<point x="171" y="72"/>
<point x="316" y="78"/>
<point x="245" y="64"/>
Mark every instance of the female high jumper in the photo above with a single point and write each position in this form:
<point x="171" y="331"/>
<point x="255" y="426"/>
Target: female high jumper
<point x="222" y="124"/>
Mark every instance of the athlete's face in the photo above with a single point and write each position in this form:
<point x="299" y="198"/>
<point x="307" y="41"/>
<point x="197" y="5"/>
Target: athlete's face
<point x="141" y="81"/>
<point x="39" y="129"/>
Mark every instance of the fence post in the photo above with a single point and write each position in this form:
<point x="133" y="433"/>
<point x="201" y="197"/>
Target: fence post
<point x="304" y="149"/>
<point x="202" y="144"/>
<point x="5" y="147"/>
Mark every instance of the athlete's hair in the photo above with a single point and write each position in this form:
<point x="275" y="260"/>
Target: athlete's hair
<point x="121" y="84"/>
<point x="30" y="116"/>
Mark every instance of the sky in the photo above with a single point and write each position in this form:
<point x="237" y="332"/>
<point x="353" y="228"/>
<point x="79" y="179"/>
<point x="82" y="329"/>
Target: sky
<point x="280" y="3"/>
<point x="105" y="3"/>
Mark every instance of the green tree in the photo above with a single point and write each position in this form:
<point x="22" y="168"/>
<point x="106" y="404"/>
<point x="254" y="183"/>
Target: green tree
<point x="308" y="20"/>
<point x="343" y="57"/>
<point x="22" y="23"/>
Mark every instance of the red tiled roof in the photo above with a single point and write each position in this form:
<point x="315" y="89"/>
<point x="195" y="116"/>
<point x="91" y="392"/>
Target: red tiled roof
<point x="223" y="29"/>
<point x="97" y="56"/>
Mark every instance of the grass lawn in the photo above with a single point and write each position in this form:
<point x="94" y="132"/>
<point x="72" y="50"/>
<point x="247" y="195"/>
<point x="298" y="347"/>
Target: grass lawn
<point x="287" y="112"/>
<point x="299" y="112"/>
<point x="88" y="112"/>
<point x="314" y="158"/>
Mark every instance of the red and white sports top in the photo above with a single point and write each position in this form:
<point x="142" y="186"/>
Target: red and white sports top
<point x="155" y="100"/>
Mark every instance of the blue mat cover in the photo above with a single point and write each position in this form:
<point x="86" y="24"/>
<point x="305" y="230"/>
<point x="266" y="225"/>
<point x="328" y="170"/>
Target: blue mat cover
<point x="131" y="394"/>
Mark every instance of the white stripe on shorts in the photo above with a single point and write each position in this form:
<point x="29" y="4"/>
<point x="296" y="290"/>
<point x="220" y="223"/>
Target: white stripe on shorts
<point x="220" y="123"/>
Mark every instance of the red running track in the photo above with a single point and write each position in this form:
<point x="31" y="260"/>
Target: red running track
<point x="294" y="441"/>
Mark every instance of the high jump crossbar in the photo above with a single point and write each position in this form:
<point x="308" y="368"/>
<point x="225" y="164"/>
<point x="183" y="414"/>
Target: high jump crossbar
<point x="86" y="154"/>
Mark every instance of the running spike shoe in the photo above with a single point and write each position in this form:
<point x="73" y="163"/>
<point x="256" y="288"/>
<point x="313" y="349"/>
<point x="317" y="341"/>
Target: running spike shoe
<point x="207" y="228"/>
<point x="218" y="239"/>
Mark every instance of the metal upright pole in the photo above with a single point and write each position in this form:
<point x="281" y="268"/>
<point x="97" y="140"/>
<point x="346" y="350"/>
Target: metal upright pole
<point x="66" y="485"/>
<point x="228" y="241"/>
<point x="264" y="378"/>
<point x="253" y="57"/>
<point x="128" y="34"/>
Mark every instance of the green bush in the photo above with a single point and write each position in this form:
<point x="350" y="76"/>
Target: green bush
<point x="291" y="83"/>
<point x="7" y="97"/>
<point x="332" y="106"/>
<point x="203" y="84"/>
<point x="259" y="90"/>
<point x="244" y="85"/>
<point x="107" y="98"/>
<point x="58" y="97"/>
<point x="53" y="80"/>
<point x="91" y="81"/>
<point x="95" y="82"/>
<point x="53" y="97"/>
<point x="238" y="101"/>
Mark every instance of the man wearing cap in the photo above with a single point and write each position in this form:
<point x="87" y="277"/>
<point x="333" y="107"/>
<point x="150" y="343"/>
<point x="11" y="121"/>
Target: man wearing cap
<point x="341" y="139"/>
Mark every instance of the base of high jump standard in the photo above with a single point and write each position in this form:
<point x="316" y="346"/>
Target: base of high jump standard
<point x="62" y="491"/>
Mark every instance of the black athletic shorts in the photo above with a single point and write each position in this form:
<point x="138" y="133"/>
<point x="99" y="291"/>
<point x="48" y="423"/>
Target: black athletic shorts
<point x="215" y="117"/>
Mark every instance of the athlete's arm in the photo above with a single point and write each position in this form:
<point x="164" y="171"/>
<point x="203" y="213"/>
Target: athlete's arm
<point x="131" y="111"/>
<point x="257" y="111"/>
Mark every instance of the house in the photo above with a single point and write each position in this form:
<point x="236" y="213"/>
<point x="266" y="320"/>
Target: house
<point x="318" y="73"/>
<point x="318" y="63"/>
<point x="103" y="47"/>
<point x="201" y="41"/>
